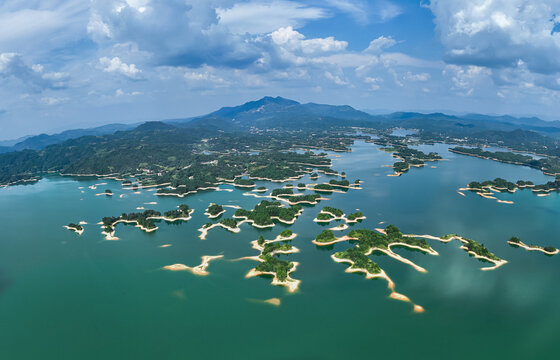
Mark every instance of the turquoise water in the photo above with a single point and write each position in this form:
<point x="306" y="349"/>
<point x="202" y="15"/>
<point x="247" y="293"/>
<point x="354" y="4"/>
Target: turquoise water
<point x="64" y="296"/>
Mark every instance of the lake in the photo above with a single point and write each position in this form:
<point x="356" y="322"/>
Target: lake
<point x="64" y="296"/>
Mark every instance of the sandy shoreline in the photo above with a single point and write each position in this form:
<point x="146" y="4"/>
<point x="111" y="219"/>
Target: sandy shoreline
<point x="533" y="248"/>
<point x="197" y="270"/>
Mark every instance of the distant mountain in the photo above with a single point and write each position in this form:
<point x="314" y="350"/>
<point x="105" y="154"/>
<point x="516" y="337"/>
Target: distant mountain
<point x="10" y="143"/>
<point x="277" y="112"/>
<point x="41" y="141"/>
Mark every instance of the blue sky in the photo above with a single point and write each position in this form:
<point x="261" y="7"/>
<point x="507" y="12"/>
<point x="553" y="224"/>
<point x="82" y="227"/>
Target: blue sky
<point x="76" y="63"/>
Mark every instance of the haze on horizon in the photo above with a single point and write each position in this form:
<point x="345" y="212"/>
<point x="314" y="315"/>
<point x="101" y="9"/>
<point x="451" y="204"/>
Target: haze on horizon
<point x="74" y="63"/>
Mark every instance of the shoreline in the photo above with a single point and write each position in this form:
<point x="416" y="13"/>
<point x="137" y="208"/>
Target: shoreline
<point x="199" y="270"/>
<point x="533" y="248"/>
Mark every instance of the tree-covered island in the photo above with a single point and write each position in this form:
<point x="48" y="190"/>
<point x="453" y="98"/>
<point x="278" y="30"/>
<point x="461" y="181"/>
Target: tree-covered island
<point x="214" y="211"/>
<point x="548" y="250"/>
<point x="271" y="264"/>
<point x="146" y="220"/>
<point x="77" y="228"/>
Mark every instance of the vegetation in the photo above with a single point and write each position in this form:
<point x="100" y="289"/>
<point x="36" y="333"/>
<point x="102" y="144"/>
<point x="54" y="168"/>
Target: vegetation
<point x="77" y="227"/>
<point x="214" y="209"/>
<point x="359" y="259"/>
<point x="303" y="199"/>
<point x="275" y="265"/>
<point x="182" y="212"/>
<point x="263" y="213"/>
<point x="550" y="165"/>
<point x="336" y="212"/>
<point x="244" y="182"/>
<point x="479" y="249"/>
<point x="324" y="216"/>
<point x="229" y="223"/>
<point x="286" y="233"/>
<point x="504" y="185"/>
<point x="343" y="183"/>
<point x="282" y="192"/>
<point x="144" y="219"/>
<point x="355" y="216"/>
<point x="325" y="236"/>
<point x="323" y="187"/>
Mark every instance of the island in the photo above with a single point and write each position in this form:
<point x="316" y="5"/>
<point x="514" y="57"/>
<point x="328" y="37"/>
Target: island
<point x="144" y="220"/>
<point x="264" y="214"/>
<point x="214" y="211"/>
<point x="247" y="183"/>
<point x="77" y="228"/>
<point x="516" y="242"/>
<point x="197" y="270"/>
<point x="472" y="247"/>
<point x="499" y="185"/>
<point x="270" y="264"/>
<point x="407" y="157"/>
<point x="329" y="214"/>
<point x="366" y="243"/>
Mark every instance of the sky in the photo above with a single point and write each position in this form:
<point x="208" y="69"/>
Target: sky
<point x="77" y="63"/>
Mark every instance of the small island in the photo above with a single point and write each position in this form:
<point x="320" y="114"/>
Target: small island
<point x="197" y="270"/>
<point x="246" y="183"/>
<point x="548" y="250"/>
<point x="329" y="214"/>
<point x="270" y="264"/>
<point x="487" y="188"/>
<point x="77" y="228"/>
<point x="264" y="214"/>
<point x="407" y="157"/>
<point x="214" y="211"/>
<point x="144" y="220"/>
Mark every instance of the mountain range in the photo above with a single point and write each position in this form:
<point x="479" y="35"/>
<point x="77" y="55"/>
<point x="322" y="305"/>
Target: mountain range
<point x="278" y="112"/>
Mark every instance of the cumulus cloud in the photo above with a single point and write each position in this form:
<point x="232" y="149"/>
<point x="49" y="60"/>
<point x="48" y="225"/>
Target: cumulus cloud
<point x="499" y="33"/>
<point x="12" y="65"/>
<point x="175" y="32"/>
<point x="292" y="41"/>
<point x="259" y="18"/>
<point x="116" y="65"/>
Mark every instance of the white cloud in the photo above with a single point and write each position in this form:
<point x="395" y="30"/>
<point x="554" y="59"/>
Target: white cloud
<point x="289" y="39"/>
<point x="12" y="65"/>
<point x="121" y="92"/>
<point x="338" y="80"/>
<point x="499" y="33"/>
<point x="382" y="42"/>
<point x="116" y="65"/>
<point x="373" y="82"/>
<point x="466" y="78"/>
<point x="416" y="77"/>
<point x="259" y="18"/>
<point x="357" y="9"/>
<point x="51" y="101"/>
<point x="387" y="10"/>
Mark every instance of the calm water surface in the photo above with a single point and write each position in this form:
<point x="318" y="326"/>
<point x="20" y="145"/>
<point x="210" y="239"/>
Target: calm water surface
<point x="64" y="296"/>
